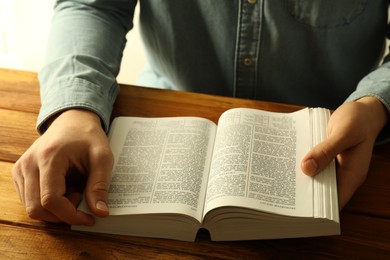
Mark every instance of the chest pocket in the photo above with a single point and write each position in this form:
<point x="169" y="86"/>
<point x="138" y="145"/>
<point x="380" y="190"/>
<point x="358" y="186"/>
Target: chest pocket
<point x="326" y="13"/>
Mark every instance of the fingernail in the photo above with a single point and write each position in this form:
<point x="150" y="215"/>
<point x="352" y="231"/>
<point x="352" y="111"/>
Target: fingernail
<point x="311" y="167"/>
<point x="101" y="206"/>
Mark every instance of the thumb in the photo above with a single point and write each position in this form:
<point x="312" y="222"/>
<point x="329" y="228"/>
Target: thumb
<point x="98" y="186"/>
<point x="320" y="156"/>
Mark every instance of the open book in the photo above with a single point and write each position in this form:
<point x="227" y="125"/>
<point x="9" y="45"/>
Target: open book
<point x="240" y="180"/>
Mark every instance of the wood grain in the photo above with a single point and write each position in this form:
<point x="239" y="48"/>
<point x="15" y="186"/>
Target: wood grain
<point x="365" y="221"/>
<point x="17" y="133"/>
<point x="19" y="90"/>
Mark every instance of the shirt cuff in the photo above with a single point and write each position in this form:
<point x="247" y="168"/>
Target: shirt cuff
<point x="376" y="84"/>
<point x="77" y="93"/>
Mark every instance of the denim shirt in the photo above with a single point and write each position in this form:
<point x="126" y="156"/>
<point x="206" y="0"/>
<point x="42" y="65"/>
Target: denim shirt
<point x="304" y="52"/>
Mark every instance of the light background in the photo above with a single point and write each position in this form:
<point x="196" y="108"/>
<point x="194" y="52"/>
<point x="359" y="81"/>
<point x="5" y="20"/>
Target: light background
<point x="24" y="25"/>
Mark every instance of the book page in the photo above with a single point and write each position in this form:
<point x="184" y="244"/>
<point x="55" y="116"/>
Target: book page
<point x="161" y="165"/>
<point x="325" y="183"/>
<point x="256" y="162"/>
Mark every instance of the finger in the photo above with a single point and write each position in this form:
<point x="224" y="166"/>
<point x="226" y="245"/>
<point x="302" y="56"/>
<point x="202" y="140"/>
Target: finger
<point x="98" y="182"/>
<point x="26" y="179"/>
<point x="32" y="199"/>
<point x="53" y="198"/>
<point x="75" y="198"/>
<point x="346" y="187"/>
<point x="352" y="173"/>
<point x="319" y="157"/>
<point x="18" y="179"/>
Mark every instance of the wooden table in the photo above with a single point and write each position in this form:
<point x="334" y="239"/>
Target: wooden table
<point x="365" y="221"/>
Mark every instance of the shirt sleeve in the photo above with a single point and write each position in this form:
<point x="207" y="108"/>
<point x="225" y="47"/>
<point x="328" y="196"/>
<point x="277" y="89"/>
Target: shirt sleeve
<point x="83" y="56"/>
<point x="376" y="84"/>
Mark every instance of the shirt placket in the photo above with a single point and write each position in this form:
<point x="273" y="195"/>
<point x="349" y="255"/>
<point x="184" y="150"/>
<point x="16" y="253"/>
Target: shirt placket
<point x="247" y="48"/>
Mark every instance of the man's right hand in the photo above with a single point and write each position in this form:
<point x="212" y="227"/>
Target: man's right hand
<point x="75" y="143"/>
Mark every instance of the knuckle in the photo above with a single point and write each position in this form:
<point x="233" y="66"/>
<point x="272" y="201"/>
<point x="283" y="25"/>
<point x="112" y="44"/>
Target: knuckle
<point x="47" y="151"/>
<point x="98" y="190"/>
<point x="327" y="154"/>
<point x="100" y="187"/>
<point x="102" y="157"/>
<point x="24" y="164"/>
<point x="48" y="201"/>
<point x="16" y="171"/>
<point x="23" y="168"/>
<point x="104" y="154"/>
<point x="34" y="213"/>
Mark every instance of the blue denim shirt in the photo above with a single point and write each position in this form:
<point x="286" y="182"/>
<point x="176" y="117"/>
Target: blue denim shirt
<point x="305" y="52"/>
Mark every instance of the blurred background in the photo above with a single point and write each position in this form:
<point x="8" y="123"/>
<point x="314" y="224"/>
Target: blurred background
<point x="24" y="25"/>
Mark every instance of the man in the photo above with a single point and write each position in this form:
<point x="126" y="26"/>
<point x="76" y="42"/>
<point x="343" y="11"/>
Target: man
<point x="305" y="52"/>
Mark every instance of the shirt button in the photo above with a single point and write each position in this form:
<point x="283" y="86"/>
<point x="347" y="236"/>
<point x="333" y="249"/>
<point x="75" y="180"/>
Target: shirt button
<point x="248" y="62"/>
<point x="252" y="1"/>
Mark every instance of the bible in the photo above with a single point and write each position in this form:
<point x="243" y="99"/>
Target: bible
<point x="239" y="179"/>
